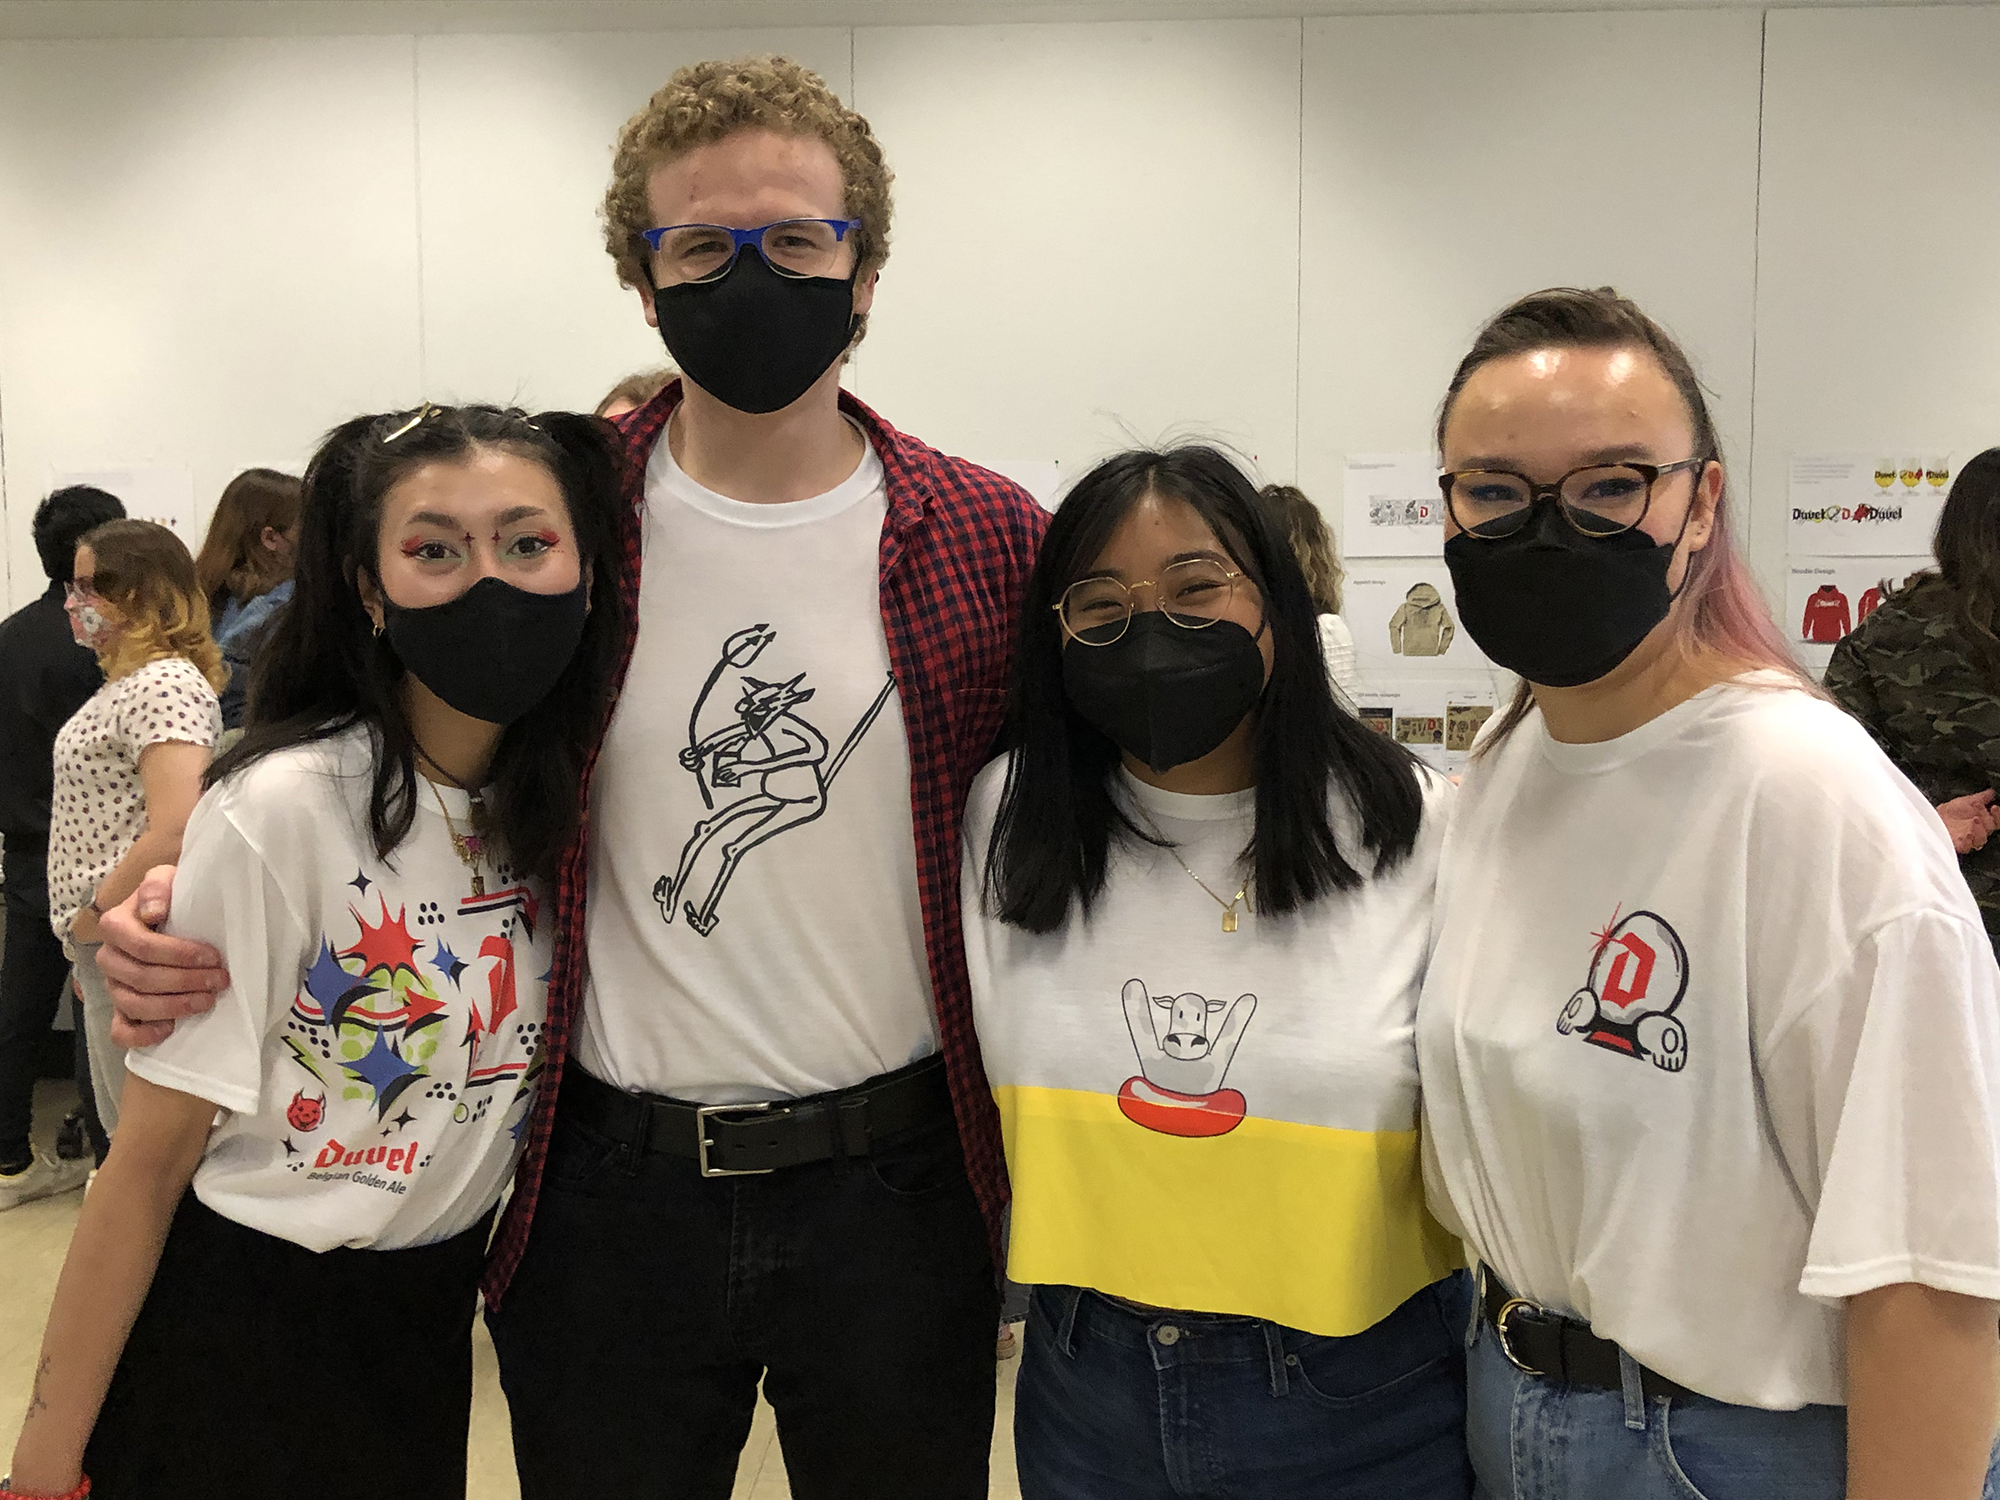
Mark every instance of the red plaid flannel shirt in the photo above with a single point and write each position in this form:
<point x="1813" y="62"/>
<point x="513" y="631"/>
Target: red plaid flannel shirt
<point x="956" y="548"/>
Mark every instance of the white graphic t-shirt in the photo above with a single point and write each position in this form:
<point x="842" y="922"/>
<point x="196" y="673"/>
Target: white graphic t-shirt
<point x="1221" y="1121"/>
<point x="1711" y="1038"/>
<point x="98" y="808"/>
<point x="378" y="1046"/>
<point x="754" y="930"/>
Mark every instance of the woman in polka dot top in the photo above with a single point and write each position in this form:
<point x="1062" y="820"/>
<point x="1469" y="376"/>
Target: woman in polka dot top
<point x="128" y="767"/>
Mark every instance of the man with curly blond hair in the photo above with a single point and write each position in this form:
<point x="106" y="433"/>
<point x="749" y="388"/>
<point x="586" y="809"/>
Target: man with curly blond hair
<point x="775" y="980"/>
<point x="764" y="1149"/>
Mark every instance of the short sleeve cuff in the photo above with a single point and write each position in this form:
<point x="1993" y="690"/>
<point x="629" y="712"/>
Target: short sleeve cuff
<point x="224" y="1095"/>
<point x="1838" y="1283"/>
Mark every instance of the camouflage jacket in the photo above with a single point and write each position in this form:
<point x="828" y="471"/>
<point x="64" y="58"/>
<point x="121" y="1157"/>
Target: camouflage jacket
<point x="1906" y="674"/>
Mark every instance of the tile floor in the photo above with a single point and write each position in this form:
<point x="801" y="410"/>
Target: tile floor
<point x="34" y="1236"/>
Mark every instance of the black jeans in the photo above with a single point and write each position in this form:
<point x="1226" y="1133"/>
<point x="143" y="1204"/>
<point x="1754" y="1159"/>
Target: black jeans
<point x="258" y="1368"/>
<point x="32" y="975"/>
<point x="651" y="1301"/>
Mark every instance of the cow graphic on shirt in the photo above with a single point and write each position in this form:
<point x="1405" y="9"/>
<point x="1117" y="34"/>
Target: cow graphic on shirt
<point x="1185" y="1045"/>
<point x="765" y="770"/>
<point x="1638" y="974"/>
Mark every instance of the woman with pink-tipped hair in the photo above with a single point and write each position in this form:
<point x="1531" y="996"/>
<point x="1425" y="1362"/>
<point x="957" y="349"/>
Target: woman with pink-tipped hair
<point x="1710" y="1038"/>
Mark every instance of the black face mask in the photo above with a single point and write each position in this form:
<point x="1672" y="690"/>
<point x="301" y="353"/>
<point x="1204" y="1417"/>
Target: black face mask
<point x="1556" y="606"/>
<point x="493" y="652"/>
<point x="753" y="339"/>
<point x="1165" y="694"/>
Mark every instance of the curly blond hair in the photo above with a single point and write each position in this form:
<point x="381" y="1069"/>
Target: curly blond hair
<point x="706" y="101"/>
<point x="143" y="571"/>
<point x="1311" y="541"/>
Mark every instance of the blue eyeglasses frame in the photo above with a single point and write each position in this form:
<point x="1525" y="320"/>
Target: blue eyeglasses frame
<point x="754" y="238"/>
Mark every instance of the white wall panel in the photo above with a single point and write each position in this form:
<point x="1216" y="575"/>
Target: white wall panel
<point x="210" y="250"/>
<point x="1878" y="303"/>
<point x="1096" y="235"/>
<point x="207" y="254"/>
<point x="516" y="132"/>
<point x="1452" y="163"/>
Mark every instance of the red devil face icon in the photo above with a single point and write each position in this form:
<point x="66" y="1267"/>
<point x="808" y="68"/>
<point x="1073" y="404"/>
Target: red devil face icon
<point x="305" y="1114"/>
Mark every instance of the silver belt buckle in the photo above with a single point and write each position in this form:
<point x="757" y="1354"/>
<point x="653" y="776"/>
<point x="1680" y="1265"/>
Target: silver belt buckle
<point x="1507" y="1310"/>
<point x="706" y="1112"/>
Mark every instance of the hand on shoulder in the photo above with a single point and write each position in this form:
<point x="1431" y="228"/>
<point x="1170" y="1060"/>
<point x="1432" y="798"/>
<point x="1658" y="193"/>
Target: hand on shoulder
<point x="154" y="979"/>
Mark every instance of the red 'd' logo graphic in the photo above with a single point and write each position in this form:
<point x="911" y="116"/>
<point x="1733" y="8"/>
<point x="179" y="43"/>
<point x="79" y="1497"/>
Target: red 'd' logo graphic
<point x="1630" y="974"/>
<point x="1638" y="974"/>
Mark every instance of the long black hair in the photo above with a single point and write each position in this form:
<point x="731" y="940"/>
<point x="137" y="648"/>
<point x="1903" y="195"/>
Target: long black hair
<point x="323" y="670"/>
<point x="1968" y="553"/>
<point x="1058" y="814"/>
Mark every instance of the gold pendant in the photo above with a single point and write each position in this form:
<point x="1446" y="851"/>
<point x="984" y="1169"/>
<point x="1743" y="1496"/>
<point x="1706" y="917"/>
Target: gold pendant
<point x="478" y="884"/>
<point x="1229" y="919"/>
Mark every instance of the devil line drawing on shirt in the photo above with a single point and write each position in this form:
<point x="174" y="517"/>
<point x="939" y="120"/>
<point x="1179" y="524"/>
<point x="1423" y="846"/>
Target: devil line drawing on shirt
<point x="765" y="771"/>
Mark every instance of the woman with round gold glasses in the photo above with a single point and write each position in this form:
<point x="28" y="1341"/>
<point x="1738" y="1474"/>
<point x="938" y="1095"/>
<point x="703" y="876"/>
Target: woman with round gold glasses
<point x="1197" y="901"/>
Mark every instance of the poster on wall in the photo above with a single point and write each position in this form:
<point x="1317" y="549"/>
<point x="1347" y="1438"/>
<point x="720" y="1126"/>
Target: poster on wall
<point x="1865" y="504"/>
<point x="1436" y="718"/>
<point x="158" y="492"/>
<point x="1826" y="597"/>
<point x="1405" y="620"/>
<point x="1391" y="506"/>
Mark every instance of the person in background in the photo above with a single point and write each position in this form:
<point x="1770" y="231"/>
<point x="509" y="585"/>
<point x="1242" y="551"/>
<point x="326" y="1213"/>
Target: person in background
<point x="245" y="568"/>
<point x="1237" y="1289"/>
<point x="46" y="675"/>
<point x="128" y="765"/>
<point x="1710" y="1037"/>
<point x="1922" y="673"/>
<point x="1311" y="540"/>
<point x="634" y="391"/>
<point x="373" y="861"/>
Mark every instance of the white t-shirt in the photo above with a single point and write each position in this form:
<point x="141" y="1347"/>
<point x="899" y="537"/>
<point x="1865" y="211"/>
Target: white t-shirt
<point x="1711" y="1038"/>
<point x="98" y="809"/>
<point x="1219" y="1121"/>
<point x="1337" y="641"/>
<point x="378" y="1046"/>
<point x="754" y="930"/>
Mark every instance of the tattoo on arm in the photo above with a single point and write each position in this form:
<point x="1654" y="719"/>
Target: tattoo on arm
<point x="37" y="1402"/>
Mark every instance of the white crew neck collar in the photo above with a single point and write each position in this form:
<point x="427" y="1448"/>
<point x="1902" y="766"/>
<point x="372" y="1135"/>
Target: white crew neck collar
<point x="1188" y="807"/>
<point x="1610" y="755"/>
<point x="436" y="798"/>
<point x="663" y="472"/>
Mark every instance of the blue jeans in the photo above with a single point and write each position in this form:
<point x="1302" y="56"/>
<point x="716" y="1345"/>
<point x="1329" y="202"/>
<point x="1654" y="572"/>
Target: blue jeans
<point x="1534" y="1439"/>
<point x="1114" y="1404"/>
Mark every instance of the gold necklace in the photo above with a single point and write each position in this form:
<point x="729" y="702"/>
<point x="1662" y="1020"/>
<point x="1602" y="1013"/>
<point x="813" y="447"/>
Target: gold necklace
<point x="1229" y="906"/>
<point x="471" y="847"/>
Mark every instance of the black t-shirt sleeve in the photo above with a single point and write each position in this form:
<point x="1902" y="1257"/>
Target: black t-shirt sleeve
<point x="62" y="686"/>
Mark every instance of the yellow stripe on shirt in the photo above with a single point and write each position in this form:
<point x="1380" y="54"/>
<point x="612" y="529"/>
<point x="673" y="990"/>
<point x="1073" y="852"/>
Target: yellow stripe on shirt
<point x="1318" y="1229"/>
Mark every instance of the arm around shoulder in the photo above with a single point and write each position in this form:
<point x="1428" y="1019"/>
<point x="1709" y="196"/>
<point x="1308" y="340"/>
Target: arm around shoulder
<point x="227" y="894"/>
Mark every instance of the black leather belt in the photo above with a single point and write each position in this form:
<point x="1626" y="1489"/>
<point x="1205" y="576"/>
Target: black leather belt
<point x="743" y="1140"/>
<point x="1539" y="1342"/>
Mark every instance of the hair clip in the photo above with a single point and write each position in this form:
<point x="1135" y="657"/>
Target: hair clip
<point x="423" y="414"/>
